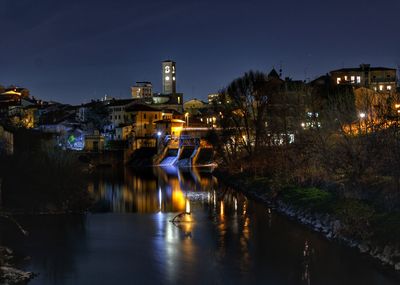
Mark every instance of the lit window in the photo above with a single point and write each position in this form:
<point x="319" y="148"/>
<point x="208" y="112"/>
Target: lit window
<point x="338" y="80"/>
<point x="358" y="79"/>
<point x="167" y="78"/>
<point x="388" y="87"/>
<point x="353" y="78"/>
<point x="345" y="78"/>
<point x="173" y="78"/>
<point x="380" y="87"/>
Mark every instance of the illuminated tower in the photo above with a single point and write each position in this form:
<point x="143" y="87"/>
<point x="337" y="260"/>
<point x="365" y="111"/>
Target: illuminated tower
<point x="169" y="77"/>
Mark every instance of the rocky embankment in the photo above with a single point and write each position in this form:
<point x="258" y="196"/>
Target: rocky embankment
<point x="8" y="274"/>
<point x="331" y="228"/>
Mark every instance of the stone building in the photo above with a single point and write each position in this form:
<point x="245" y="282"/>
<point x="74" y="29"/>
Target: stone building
<point x="380" y="79"/>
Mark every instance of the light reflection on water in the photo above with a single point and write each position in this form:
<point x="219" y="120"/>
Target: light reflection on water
<point x="163" y="190"/>
<point x="226" y="239"/>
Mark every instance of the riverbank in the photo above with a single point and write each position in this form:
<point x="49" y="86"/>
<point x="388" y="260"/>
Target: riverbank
<point x="351" y="222"/>
<point x="8" y="273"/>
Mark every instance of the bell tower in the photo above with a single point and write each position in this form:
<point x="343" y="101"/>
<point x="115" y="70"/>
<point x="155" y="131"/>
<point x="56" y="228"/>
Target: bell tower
<point x="169" y="77"/>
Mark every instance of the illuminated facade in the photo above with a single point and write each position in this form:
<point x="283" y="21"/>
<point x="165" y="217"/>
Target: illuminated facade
<point x="143" y="119"/>
<point x="142" y="90"/>
<point x="193" y="106"/>
<point x="168" y="77"/>
<point x="380" y="79"/>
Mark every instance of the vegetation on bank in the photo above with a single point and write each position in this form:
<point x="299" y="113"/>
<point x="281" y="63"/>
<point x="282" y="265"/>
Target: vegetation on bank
<point x="308" y="146"/>
<point x="38" y="179"/>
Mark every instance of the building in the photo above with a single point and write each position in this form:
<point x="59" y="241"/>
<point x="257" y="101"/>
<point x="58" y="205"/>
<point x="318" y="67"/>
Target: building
<point x="13" y="90"/>
<point x="142" y="90"/>
<point x="169" y="127"/>
<point x="193" y="106"/>
<point x="380" y="79"/>
<point x="168" y="77"/>
<point x="142" y="118"/>
<point x="213" y="97"/>
<point x="117" y="114"/>
<point x="94" y="142"/>
<point x="168" y="101"/>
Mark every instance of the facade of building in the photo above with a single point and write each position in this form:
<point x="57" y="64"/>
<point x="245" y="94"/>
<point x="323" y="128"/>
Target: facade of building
<point x="94" y="142"/>
<point x="169" y="127"/>
<point x="168" y="101"/>
<point x="142" y="90"/>
<point x="117" y="114"/>
<point x="193" y="106"/>
<point x="380" y="79"/>
<point x="142" y="118"/>
<point x="213" y="97"/>
<point x="168" y="77"/>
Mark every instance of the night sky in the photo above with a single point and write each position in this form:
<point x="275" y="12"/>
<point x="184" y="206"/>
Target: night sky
<point x="73" y="51"/>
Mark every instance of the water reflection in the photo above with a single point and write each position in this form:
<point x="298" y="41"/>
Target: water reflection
<point x="226" y="238"/>
<point x="148" y="191"/>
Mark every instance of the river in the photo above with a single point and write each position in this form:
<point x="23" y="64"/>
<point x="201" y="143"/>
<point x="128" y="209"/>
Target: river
<point x="227" y="238"/>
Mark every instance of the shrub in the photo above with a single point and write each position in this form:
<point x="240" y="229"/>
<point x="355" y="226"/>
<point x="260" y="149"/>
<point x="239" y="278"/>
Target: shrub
<point x="313" y="199"/>
<point x="356" y="217"/>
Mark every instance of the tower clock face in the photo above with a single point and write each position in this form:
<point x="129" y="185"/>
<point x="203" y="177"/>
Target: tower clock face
<point x="167" y="69"/>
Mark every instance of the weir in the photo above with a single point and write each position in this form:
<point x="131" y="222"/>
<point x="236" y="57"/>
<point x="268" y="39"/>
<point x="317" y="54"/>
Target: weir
<point x="187" y="153"/>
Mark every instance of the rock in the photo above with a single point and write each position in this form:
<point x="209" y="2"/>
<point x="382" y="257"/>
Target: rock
<point x="397" y="266"/>
<point x="336" y="227"/>
<point x="11" y="275"/>
<point x="363" y="248"/>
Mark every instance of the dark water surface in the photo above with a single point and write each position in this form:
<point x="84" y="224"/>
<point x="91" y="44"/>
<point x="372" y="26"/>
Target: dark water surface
<point x="227" y="239"/>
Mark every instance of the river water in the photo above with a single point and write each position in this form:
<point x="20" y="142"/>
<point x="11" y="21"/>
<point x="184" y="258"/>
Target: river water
<point x="226" y="239"/>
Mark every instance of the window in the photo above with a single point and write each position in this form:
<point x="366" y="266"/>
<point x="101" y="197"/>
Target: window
<point x="380" y="87"/>
<point x="144" y="126"/>
<point x="358" y="79"/>
<point x="119" y="117"/>
<point x="353" y="79"/>
<point x="345" y="78"/>
<point x="167" y="78"/>
<point x="338" y="80"/>
<point x="144" y="116"/>
<point x="156" y="116"/>
<point x="389" y="87"/>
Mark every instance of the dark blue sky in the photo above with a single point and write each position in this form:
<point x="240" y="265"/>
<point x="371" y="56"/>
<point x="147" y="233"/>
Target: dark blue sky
<point x="73" y="51"/>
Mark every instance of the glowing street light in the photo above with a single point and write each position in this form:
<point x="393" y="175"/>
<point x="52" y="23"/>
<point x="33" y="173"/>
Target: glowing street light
<point x="362" y="115"/>
<point x="187" y="119"/>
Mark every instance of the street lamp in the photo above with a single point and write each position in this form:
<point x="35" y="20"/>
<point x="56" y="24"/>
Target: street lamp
<point x="362" y="117"/>
<point x="187" y="119"/>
